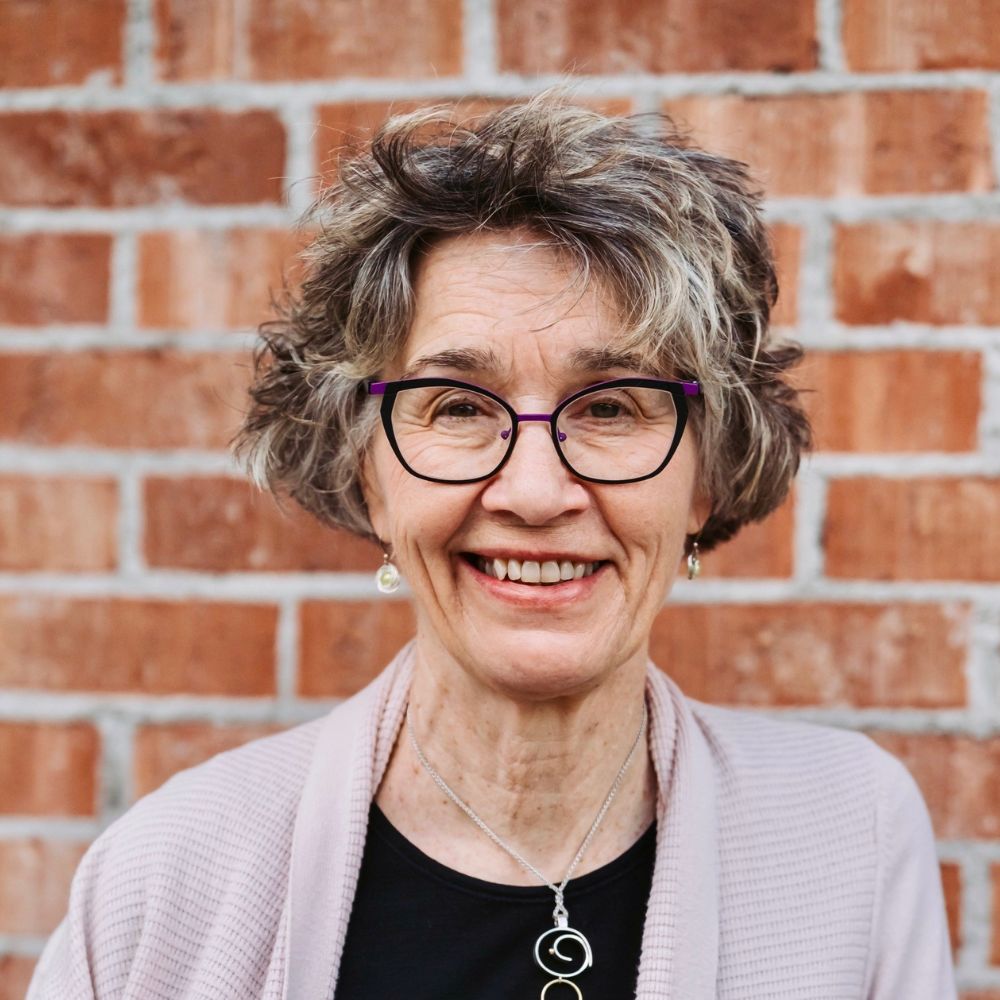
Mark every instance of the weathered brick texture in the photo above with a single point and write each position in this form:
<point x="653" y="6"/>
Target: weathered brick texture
<point x="156" y="610"/>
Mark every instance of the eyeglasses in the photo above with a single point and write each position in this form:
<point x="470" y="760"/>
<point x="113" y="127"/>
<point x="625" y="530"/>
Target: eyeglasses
<point x="620" y="431"/>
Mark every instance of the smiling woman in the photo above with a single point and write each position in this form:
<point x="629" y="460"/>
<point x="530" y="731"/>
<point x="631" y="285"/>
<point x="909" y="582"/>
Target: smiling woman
<point x="532" y="361"/>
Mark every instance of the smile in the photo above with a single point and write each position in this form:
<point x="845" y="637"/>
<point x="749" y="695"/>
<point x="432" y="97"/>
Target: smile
<point x="529" y="571"/>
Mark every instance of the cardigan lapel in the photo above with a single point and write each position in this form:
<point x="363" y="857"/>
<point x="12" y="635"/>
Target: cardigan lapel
<point x="681" y="937"/>
<point x="349" y="759"/>
<point x="680" y="942"/>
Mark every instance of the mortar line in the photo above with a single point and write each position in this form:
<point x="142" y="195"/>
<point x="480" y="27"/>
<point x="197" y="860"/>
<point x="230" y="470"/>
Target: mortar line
<point x="829" y="31"/>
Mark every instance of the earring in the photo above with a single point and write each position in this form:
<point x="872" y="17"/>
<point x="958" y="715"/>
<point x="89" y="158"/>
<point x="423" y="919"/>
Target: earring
<point x="387" y="577"/>
<point x="694" y="563"/>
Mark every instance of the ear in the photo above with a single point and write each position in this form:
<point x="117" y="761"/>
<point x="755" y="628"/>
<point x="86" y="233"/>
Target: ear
<point x="701" y="507"/>
<point x="374" y="496"/>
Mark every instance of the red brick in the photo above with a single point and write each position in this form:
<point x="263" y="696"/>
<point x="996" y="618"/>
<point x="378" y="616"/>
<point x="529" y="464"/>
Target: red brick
<point x="15" y="974"/>
<point x="644" y="36"/>
<point x="951" y="883"/>
<point x="57" y="523"/>
<point x="959" y="777"/>
<point x="122" y="158"/>
<point x="48" y="769"/>
<point x="143" y="646"/>
<point x="919" y="272"/>
<point x="54" y="278"/>
<point x="213" y="279"/>
<point x="892" y="400"/>
<point x="127" y="399"/>
<point x="35" y="876"/>
<point x="878" y="142"/>
<point x="288" y="40"/>
<point x="787" y="242"/>
<point x="162" y="751"/>
<point x="219" y="524"/>
<point x="913" y="529"/>
<point x="350" y="124"/>
<point x="920" y="34"/>
<point x="758" y="550"/>
<point x="46" y="43"/>
<point x="861" y="655"/>
<point x="346" y="643"/>
<point x="995" y="937"/>
<point x="979" y="995"/>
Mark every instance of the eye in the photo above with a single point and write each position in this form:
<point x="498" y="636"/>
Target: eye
<point x="458" y="407"/>
<point x="606" y="408"/>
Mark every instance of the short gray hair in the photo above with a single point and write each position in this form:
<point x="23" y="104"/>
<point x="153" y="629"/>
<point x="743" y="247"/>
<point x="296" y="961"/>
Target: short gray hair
<point x="673" y="233"/>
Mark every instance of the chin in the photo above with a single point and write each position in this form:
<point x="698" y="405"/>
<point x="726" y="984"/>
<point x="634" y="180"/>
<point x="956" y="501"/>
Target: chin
<point x="539" y="666"/>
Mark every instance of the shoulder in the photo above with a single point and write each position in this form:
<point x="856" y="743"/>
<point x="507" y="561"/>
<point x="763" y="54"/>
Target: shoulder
<point x="193" y="867"/>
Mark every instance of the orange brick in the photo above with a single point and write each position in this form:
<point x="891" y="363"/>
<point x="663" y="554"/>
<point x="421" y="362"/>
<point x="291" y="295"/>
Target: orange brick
<point x="951" y="883"/>
<point x="287" y="40"/>
<point x="127" y="399"/>
<point x="862" y="655"/>
<point x="57" y="523"/>
<point x="15" y="974"/>
<point x="220" y="524"/>
<point x="149" y="647"/>
<point x="878" y="142"/>
<point x="920" y="34"/>
<point x="197" y="279"/>
<point x="162" y="751"/>
<point x="346" y="643"/>
<point x="557" y="36"/>
<point x="54" y="277"/>
<point x="920" y="272"/>
<point x="787" y="242"/>
<point x="892" y="400"/>
<point x="979" y="995"/>
<point x="913" y="529"/>
<point x="350" y="124"/>
<point x="35" y="876"/>
<point x="122" y="158"/>
<point x="44" y="44"/>
<point x="48" y="769"/>
<point x="959" y="777"/>
<point x="995" y="937"/>
<point x="758" y="550"/>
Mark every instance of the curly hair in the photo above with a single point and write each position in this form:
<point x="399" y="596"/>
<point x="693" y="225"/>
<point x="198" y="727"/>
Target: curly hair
<point x="673" y="233"/>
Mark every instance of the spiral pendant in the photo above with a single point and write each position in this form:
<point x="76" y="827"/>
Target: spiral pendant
<point x="553" y="960"/>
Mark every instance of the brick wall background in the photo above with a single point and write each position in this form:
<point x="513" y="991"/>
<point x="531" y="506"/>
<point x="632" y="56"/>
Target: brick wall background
<point x="153" y="155"/>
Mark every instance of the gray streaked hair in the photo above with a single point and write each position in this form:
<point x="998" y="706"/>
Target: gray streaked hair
<point x="672" y="233"/>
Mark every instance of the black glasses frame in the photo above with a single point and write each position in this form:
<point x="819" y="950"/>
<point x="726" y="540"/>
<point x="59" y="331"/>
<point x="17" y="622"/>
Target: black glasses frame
<point x="389" y="390"/>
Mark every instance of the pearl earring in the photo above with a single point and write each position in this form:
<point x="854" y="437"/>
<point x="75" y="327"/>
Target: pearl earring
<point x="694" y="563"/>
<point x="387" y="577"/>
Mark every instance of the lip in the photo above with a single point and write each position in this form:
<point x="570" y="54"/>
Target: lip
<point x="534" y="596"/>
<point x="536" y="555"/>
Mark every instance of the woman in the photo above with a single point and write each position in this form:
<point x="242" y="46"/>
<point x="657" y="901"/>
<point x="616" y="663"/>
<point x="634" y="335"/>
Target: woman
<point x="530" y="360"/>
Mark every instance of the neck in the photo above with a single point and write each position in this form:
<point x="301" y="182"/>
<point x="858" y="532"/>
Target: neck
<point x="536" y="772"/>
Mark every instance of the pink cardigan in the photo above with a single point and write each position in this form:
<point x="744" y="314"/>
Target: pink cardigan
<point x="793" y="862"/>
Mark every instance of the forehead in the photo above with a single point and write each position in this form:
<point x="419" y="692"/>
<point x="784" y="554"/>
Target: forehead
<point x="510" y="298"/>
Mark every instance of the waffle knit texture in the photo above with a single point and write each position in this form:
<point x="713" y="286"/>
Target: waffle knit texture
<point x="793" y="862"/>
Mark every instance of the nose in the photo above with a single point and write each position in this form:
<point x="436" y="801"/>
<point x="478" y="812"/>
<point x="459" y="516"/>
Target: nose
<point x="534" y="484"/>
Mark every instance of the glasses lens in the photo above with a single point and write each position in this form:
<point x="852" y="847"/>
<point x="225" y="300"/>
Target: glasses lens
<point x="618" y="433"/>
<point x="450" y="433"/>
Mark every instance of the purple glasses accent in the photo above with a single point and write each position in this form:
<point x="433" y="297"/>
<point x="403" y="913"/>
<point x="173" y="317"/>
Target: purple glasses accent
<point x="617" y="431"/>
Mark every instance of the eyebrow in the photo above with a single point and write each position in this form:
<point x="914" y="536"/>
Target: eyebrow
<point x="593" y="359"/>
<point x="464" y="359"/>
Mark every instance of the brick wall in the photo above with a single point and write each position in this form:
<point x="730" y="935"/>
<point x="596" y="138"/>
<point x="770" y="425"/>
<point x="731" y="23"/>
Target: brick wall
<point x="153" y="611"/>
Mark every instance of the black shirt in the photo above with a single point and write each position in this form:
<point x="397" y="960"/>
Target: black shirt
<point x="421" y="931"/>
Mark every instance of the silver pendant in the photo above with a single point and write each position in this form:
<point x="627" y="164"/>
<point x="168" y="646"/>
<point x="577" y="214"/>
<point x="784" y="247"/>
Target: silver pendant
<point x="549" y="954"/>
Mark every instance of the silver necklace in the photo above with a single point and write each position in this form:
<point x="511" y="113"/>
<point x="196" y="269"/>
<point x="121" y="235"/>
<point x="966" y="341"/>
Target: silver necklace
<point x="548" y="942"/>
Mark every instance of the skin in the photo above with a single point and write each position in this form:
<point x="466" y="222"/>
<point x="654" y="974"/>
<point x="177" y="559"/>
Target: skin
<point x="526" y="699"/>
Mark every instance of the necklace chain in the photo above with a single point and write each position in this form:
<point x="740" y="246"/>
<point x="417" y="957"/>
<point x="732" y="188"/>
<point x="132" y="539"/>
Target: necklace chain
<point x="559" y="914"/>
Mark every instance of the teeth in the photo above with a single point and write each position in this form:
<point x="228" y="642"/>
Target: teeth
<point x="531" y="571"/>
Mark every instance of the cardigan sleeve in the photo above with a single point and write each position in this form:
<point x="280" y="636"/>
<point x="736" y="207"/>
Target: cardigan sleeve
<point x="909" y="950"/>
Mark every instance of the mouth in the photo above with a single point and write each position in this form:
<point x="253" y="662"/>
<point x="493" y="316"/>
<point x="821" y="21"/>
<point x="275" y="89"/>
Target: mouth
<point x="542" y="572"/>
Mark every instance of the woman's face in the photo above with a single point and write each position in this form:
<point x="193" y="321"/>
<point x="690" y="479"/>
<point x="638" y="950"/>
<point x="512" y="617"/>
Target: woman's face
<point x="511" y="309"/>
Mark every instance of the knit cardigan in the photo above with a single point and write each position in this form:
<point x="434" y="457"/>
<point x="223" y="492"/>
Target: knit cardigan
<point x="793" y="862"/>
